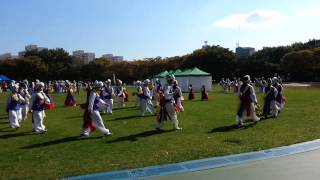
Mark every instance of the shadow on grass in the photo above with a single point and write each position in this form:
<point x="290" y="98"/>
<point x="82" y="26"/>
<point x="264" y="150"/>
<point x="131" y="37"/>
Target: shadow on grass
<point x="130" y="107"/>
<point x="60" y="141"/>
<point x="128" y="117"/>
<point x="135" y="137"/>
<point x="6" y="117"/>
<point x="232" y="128"/>
<point x="74" y="117"/>
<point x="26" y="133"/>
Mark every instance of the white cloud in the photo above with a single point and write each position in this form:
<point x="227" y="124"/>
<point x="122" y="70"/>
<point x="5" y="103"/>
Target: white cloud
<point x="310" y="11"/>
<point x="254" y="19"/>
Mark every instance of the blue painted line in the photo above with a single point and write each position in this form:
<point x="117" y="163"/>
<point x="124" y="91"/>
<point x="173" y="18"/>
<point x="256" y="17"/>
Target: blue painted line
<point x="202" y="164"/>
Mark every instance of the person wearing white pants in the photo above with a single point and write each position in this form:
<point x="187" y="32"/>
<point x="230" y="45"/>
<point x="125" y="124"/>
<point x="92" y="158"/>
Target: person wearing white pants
<point x="139" y="93"/>
<point x="120" y="94"/>
<point x="25" y="106"/>
<point x="178" y="98"/>
<point x="107" y="94"/>
<point x="270" y="105"/>
<point x="93" y="109"/>
<point x="37" y="105"/>
<point x="13" y="107"/>
<point x="146" y="103"/>
<point x="248" y="100"/>
<point x="168" y="93"/>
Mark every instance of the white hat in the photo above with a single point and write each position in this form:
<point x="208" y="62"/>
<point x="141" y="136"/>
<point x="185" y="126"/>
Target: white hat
<point x="246" y="78"/>
<point x="15" y="87"/>
<point x="98" y="84"/>
<point x="170" y="77"/>
<point x="274" y="79"/>
<point x="108" y="81"/>
<point x="39" y="85"/>
<point x="146" y="82"/>
<point x="138" y="83"/>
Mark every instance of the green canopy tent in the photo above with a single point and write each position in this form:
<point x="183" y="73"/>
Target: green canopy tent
<point x="161" y="76"/>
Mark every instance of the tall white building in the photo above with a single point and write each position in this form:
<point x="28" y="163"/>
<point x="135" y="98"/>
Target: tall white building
<point x="88" y="57"/>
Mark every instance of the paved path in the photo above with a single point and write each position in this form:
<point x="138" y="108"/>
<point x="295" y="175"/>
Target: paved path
<point x="302" y="166"/>
<point x="297" y="161"/>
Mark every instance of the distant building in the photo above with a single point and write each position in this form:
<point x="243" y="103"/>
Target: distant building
<point x="33" y="47"/>
<point x="78" y="54"/>
<point x="205" y="46"/>
<point x="107" y="57"/>
<point x="5" y="56"/>
<point x="88" y="57"/>
<point x="117" y="58"/>
<point x="15" y="57"/>
<point x="245" y="51"/>
<point x="21" y="54"/>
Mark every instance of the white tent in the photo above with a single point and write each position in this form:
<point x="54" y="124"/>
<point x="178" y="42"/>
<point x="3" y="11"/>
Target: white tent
<point x="196" y="77"/>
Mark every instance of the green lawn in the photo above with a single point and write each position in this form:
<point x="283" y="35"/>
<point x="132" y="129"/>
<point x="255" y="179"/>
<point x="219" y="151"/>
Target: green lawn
<point x="207" y="131"/>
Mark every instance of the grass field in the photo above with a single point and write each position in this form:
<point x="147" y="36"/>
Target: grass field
<point x="208" y="130"/>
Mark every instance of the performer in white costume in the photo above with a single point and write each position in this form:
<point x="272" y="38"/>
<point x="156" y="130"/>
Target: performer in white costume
<point x="107" y="95"/>
<point x="13" y="106"/>
<point x="93" y="110"/>
<point x="269" y="105"/>
<point x="146" y="103"/>
<point x="23" y="91"/>
<point x="178" y="98"/>
<point x="37" y="105"/>
<point x="120" y="94"/>
<point x="25" y="94"/>
<point x="248" y="101"/>
<point x="139" y="93"/>
<point x="168" y="109"/>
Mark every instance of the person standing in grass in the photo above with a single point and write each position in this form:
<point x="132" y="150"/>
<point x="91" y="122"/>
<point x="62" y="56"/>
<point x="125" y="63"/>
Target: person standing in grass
<point x="70" y="99"/>
<point x="168" y="108"/>
<point x="269" y="105"/>
<point x="204" y="93"/>
<point x="13" y="107"/>
<point x="23" y="89"/>
<point x="139" y="93"/>
<point x="120" y="94"/>
<point x="178" y="98"/>
<point x="280" y="99"/>
<point x="146" y="103"/>
<point x="107" y="95"/>
<point x="93" y="112"/>
<point x="191" y="93"/>
<point x="37" y="106"/>
<point x="157" y="91"/>
<point x="248" y="102"/>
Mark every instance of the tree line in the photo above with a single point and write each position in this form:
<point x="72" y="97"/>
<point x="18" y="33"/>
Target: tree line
<point x="298" y="62"/>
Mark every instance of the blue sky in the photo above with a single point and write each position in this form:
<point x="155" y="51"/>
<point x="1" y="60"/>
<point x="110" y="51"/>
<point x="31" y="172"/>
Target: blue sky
<point x="149" y="28"/>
